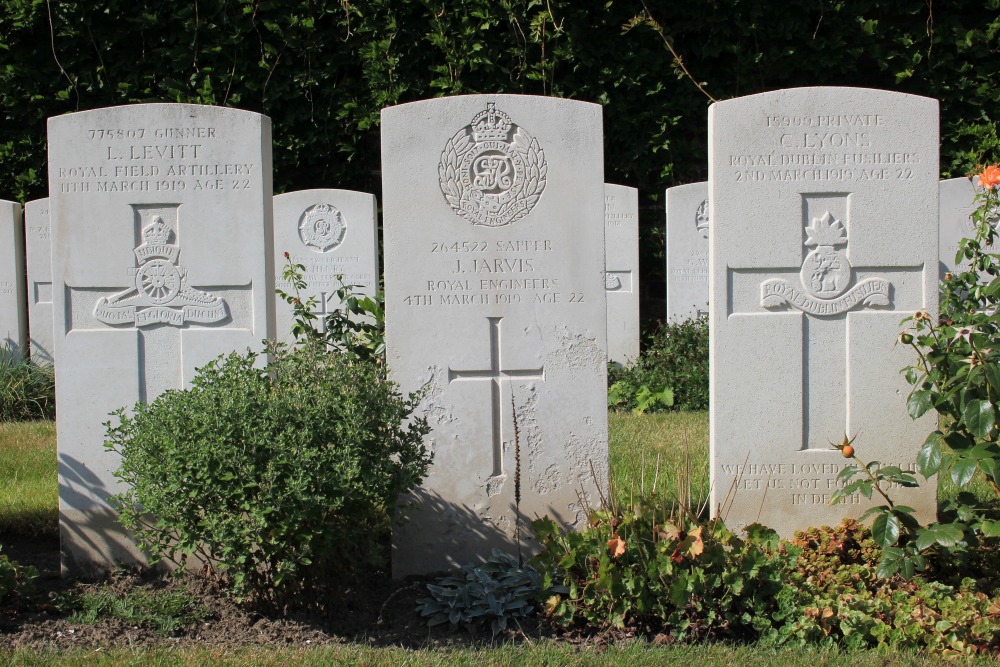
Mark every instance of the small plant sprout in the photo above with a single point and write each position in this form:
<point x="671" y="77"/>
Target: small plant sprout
<point x="893" y="524"/>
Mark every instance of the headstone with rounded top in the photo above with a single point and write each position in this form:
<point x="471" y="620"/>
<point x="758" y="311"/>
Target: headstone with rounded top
<point x="621" y="235"/>
<point x="38" y="254"/>
<point x="334" y="235"/>
<point x="687" y="251"/>
<point x="958" y="202"/>
<point x="161" y="261"/>
<point x="824" y="206"/>
<point x="13" y="309"/>
<point x="496" y="309"/>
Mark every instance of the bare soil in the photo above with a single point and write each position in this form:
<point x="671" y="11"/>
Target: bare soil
<point x="382" y="612"/>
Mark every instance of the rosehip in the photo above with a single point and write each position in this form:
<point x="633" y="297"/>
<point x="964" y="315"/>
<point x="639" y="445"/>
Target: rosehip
<point x="847" y="451"/>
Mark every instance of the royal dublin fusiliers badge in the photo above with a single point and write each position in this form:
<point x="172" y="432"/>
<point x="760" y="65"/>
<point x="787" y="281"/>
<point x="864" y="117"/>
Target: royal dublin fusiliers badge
<point x="492" y="171"/>
<point x="322" y="227"/>
<point x="825" y="276"/>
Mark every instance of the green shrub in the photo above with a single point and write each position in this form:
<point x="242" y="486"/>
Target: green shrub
<point x="282" y="479"/>
<point x="16" y="581"/>
<point x="27" y="389"/>
<point x="834" y="598"/>
<point x="675" y="358"/>
<point x="956" y="373"/>
<point x="647" y="569"/>
<point x="495" y="591"/>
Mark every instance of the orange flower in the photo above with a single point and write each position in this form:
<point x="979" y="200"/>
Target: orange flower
<point x="990" y="176"/>
<point x="616" y="545"/>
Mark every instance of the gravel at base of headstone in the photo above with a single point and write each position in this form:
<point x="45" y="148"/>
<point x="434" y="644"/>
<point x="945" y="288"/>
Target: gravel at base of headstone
<point x="495" y="304"/>
<point x="687" y="251"/>
<point x="38" y="256"/>
<point x="161" y="261"/>
<point x="332" y="233"/>
<point x="13" y="307"/>
<point x="621" y="238"/>
<point x="824" y="207"/>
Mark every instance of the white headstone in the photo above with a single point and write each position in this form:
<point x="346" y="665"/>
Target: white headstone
<point x="13" y="311"/>
<point x="38" y="253"/>
<point x="621" y="234"/>
<point x="687" y="251"/>
<point x="494" y="281"/>
<point x="956" y="205"/>
<point x="331" y="233"/>
<point x="824" y="208"/>
<point x="161" y="261"/>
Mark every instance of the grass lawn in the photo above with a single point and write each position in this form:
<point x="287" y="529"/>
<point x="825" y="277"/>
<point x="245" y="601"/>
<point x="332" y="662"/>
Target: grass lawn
<point x="660" y="449"/>
<point x="546" y="653"/>
<point x="29" y="496"/>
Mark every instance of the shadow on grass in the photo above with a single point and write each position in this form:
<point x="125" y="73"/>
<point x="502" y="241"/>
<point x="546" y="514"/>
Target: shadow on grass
<point x="41" y="523"/>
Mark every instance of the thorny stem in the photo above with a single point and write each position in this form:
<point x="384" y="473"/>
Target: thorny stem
<point x="670" y="47"/>
<point x="874" y="480"/>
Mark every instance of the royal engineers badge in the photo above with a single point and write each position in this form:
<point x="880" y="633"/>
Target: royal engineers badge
<point x="322" y="227"/>
<point x="492" y="171"/>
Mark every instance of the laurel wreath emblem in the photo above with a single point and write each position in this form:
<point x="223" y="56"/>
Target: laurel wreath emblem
<point x="528" y="181"/>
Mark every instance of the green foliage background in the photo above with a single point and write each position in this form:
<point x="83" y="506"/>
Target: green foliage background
<point x="322" y="70"/>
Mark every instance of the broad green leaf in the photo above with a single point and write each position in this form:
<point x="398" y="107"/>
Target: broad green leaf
<point x="993" y="376"/>
<point x="929" y="459"/>
<point x="991" y="528"/>
<point x="979" y="417"/>
<point x="948" y="535"/>
<point x="962" y="471"/>
<point x="918" y="403"/>
<point x="890" y="562"/>
<point x="885" y="530"/>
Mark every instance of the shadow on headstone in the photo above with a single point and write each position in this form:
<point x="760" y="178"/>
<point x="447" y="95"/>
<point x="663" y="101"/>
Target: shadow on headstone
<point x="91" y="540"/>
<point x="464" y="536"/>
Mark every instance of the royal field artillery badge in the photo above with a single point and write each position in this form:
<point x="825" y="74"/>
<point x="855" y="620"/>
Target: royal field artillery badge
<point x="160" y="294"/>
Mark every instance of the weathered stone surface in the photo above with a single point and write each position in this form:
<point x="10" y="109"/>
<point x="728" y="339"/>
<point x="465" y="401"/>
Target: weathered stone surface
<point x="331" y="233"/>
<point x="494" y="278"/>
<point x="956" y="206"/>
<point x="161" y="261"/>
<point x="38" y="252"/>
<point x="13" y="309"/>
<point x="824" y="205"/>
<point x="687" y="251"/>
<point x="621" y="237"/>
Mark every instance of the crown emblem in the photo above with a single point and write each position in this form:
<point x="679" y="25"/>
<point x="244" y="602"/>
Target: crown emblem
<point x="490" y="124"/>
<point x="701" y="219"/>
<point x="157" y="232"/>
<point x="492" y="171"/>
<point x="322" y="226"/>
<point x="826" y="231"/>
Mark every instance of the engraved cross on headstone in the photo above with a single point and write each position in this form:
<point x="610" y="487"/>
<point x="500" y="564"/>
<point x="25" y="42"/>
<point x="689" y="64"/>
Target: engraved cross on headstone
<point x="496" y="374"/>
<point x="830" y="294"/>
<point x="322" y="310"/>
<point x="160" y="302"/>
